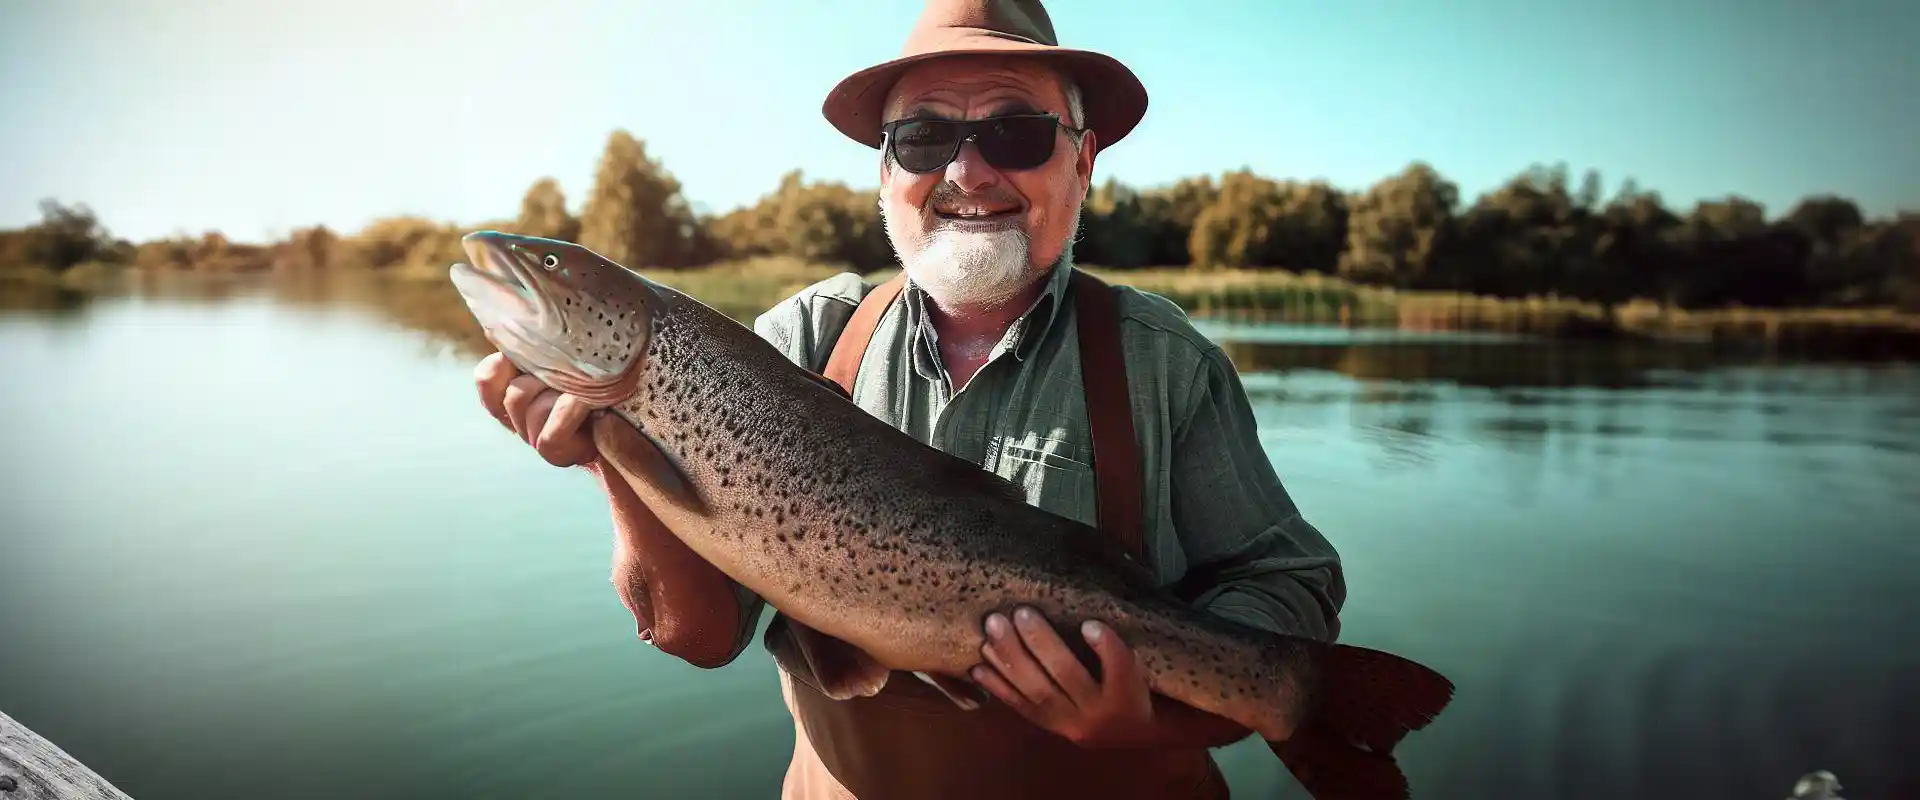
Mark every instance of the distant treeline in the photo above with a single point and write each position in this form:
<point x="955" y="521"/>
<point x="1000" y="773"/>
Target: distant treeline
<point x="1535" y="235"/>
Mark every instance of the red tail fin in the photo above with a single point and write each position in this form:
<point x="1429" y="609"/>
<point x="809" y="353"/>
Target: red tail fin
<point x="1367" y="702"/>
<point x="1375" y="699"/>
<point x="1331" y="769"/>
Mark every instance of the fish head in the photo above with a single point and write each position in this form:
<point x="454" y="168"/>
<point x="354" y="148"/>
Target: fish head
<point x="560" y="312"/>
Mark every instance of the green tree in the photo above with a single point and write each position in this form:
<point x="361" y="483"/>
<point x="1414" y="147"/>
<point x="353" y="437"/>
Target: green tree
<point x="1878" y="263"/>
<point x="1173" y="210"/>
<point x="1116" y="228"/>
<point x="1313" y="228"/>
<point x="822" y="221"/>
<point x="636" y="215"/>
<point x="1634" y="245"/>
<point x="67" y="236"/>
<point x="543" y="212"/>
<point x="312" y="248"/>
<point x="1828" y="224"/>
<point x="407" y="240"/>
<point x="1734" y="256"/>
<point x="1254" y="221"/>
<point x="1397" y="230"/>
<point x="1236" y="228"/>
<point x="1531" y="236"/>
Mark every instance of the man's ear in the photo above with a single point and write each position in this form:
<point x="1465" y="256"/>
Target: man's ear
<point x="1083" y="163"/>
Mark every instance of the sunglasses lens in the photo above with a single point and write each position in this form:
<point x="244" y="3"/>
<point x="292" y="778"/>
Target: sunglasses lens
<point x="1014" y="143"/>
<point x="925" y="145"/>
<point x="1018" y="143"/>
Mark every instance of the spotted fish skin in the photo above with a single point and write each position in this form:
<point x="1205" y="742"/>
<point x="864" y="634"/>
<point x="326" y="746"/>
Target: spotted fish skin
<point x="866" y="535"/>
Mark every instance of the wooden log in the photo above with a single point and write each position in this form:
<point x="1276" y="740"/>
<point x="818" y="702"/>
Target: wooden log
<point x="32" y="768"/>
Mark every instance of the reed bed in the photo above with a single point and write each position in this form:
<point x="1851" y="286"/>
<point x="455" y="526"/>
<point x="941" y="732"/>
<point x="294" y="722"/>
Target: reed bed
<point x="420" y="297"/>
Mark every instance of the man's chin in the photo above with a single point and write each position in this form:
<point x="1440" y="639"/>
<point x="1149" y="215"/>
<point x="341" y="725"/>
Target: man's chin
<point x="972" y="269"/>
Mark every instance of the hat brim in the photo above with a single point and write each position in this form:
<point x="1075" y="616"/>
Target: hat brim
<point x="1114" y="98"/>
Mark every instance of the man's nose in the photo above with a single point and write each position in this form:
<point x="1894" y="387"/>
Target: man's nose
<point x="970" y="171"/>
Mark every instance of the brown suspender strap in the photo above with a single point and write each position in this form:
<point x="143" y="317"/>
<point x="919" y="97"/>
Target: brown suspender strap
<point x="1103" y="370"/>
<point x="844" y="364"/>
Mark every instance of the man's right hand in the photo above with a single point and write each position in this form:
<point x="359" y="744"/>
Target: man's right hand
<point x="682" y="604"/>
<point x="549" y="420"/>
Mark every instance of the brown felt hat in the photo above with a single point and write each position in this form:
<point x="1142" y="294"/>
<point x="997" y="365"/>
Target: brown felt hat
<point x="1114" y="98"/>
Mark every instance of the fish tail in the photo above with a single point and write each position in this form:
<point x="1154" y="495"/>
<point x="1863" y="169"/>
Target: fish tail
<point x="1376" y="698"/>
<point x="1365" y="701"/>
<point x="1332" y="769"/>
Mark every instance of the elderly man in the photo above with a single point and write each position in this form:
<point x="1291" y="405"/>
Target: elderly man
<point x="1103" y="403"/>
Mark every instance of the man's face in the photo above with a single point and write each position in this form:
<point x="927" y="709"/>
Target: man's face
<point x="934" y="220"/>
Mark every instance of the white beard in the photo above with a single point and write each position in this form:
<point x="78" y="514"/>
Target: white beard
<point x="971" y="270"/>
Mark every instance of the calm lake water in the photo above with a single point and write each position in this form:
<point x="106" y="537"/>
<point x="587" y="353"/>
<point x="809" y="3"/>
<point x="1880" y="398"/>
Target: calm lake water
<point x="254" y="551"/>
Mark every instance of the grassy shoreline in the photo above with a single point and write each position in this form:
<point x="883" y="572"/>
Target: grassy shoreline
<point x="419" y="297"/>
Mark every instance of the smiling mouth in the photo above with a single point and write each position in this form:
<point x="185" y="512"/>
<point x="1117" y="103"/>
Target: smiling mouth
<point x="976" y="214"/>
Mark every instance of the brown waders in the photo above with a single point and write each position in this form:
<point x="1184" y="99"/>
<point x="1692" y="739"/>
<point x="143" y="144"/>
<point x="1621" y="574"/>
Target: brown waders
<point x="910" y="742"/>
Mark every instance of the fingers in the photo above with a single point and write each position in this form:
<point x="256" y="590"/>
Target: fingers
<point x="490" y="378"/>
<point x="986" y="678"/>
<point x="550" y="421"/>
<point x="1118" y="666"/>
<point x="521" y="392"/>
<point x="1061" y="665"/>
<point x="1009" y="655"/>
<point x="562" y="440"/>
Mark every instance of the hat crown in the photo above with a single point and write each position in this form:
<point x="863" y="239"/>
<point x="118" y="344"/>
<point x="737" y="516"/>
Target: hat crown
<point x="1025" y="20"/>
<point x="1113" y="97"/>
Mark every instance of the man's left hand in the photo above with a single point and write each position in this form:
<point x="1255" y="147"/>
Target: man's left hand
<point x="1028" y="667"/>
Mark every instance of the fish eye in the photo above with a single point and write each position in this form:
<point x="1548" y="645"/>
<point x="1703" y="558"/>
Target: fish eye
<point x="551" y="261"/>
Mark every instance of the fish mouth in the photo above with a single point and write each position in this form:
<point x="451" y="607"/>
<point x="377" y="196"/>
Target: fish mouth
<point x="503" y="286"/>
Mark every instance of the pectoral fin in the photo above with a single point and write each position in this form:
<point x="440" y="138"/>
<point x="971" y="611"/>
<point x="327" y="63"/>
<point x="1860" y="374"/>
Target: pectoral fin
<point x="638" y="459"/>
<point x="838" y="669"/>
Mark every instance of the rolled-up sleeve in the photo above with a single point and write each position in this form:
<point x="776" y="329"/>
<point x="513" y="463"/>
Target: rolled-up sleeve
<point x="1252" y="556"/>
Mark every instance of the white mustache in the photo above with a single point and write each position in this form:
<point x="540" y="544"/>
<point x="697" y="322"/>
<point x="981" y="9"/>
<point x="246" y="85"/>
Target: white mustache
<point x="949" y="193"/>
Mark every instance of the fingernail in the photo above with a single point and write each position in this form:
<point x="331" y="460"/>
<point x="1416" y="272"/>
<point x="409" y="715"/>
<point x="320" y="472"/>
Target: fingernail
<point x="1026" y="616"/>
<point x="1091" y="630"/>
<point x="996" y="626"/>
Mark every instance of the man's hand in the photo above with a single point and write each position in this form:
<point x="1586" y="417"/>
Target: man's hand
<point x="1028" y="667"/>
<point x="550" y="421"/>
<point x="681" y="603"/>
<point x="1031" y="670"/>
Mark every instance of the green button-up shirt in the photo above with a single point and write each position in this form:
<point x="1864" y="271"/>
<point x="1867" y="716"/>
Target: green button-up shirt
<point x="1212" y="500"/>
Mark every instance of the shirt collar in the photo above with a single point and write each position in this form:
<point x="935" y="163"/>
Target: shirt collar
<point x="1033" y="326"/>
<point x="1023" y="337"/>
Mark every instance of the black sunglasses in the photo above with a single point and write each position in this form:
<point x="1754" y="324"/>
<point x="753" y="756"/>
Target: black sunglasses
<point x="1011" y="142"/>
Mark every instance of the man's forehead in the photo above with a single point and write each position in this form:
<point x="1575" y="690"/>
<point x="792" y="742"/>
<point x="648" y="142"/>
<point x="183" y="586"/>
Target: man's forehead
<point x="983" y="82"/>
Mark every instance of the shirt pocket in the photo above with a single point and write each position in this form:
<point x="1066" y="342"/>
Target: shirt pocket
<point x="1051" y="473"/>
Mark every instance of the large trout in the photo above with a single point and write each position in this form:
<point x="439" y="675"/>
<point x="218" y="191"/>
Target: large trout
<point x="899" y="550"/>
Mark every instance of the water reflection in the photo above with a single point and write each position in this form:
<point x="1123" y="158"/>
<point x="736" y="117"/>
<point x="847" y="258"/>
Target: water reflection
<point x="1581" y="420"/>
<point x="1650" y="570"/>
<point x="52" y="300"/>
<point x="1519" y="364"/>
<point x="1528" y="395"/>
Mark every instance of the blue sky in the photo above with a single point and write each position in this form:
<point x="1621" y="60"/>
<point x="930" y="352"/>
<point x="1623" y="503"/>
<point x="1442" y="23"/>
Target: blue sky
<point x="255" y="117"/>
